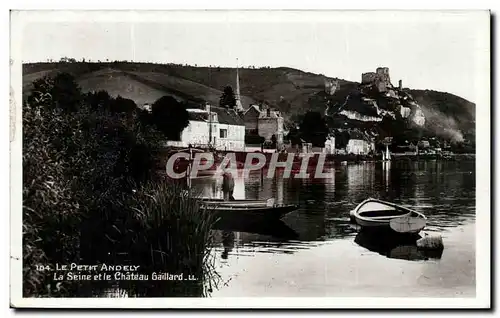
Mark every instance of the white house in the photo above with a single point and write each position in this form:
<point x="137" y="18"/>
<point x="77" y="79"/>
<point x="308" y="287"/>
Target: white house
<point x="330" y="145"/>
<point x="359" y="143"/>
<point x="227" y="131"/>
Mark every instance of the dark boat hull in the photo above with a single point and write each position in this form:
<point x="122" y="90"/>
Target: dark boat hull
<point x="237" y="202"/>
<point x="251" y="215"/>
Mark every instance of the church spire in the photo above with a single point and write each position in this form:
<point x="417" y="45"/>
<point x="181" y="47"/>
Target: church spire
<point x="239" y="106"/>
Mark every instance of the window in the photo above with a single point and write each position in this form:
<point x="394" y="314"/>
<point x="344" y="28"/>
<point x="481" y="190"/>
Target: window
<point x="223" y="133"/>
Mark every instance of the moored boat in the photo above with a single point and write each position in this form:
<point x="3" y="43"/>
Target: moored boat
<point x="378" y="214"/>
<point x="251" y="214"/>
<point x="238" y="202"/>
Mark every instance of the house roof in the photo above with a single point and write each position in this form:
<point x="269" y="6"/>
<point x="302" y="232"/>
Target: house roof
<point x="255" y="107"/>
<point x="228" y="116"/>
<point x="198" y="115"/>
<point x="269" y="113"/>
<point x="224" y="115"/>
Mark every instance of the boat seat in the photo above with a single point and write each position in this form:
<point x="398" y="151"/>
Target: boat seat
<point x="383" y="213"/>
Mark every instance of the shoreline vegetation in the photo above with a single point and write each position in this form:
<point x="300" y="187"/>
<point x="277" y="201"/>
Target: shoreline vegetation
<point x="91" y="195"/>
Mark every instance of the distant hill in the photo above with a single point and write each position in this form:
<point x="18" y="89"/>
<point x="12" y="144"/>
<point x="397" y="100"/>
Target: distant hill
<point x="446" y="110"/>
<point x="292" y="91"/>
<point x="273" y="85"/>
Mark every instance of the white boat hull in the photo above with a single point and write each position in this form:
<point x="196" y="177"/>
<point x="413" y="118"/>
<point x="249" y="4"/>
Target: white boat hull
<point x="378" y="214"/>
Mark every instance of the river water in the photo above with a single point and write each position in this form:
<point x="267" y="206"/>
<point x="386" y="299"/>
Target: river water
<point x="315" y="251"/>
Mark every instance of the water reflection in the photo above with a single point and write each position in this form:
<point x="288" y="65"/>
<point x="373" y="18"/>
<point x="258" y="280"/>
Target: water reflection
<point x="443" y="191"/>
<point x="227" y="242"/>
<point x="278" y="230"/>
<point x="395" y="246"/>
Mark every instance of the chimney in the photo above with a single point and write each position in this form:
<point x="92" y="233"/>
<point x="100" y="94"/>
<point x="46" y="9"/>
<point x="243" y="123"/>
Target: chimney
<point x="400" y="84"/>
<point x="207" y="107"/>
<point x="268" y="112"/>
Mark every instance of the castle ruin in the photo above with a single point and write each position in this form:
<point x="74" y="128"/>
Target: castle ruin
<point x="380" y="78"/>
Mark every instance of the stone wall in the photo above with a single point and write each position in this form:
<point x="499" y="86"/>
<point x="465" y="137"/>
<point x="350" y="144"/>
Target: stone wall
<point x="367" y="78"/>
<point x="233" y="139"/>
<point x="380" y="78"/>
<point x="383" y="74"/>
<point x="251" y="119"/>
<point x="268" y="126"/>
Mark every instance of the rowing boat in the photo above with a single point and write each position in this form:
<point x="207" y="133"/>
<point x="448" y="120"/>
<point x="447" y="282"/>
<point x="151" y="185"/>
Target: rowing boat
<point x="378" y="214"/>
<point x="250" y="214"/>
<point x="237" y="203"/>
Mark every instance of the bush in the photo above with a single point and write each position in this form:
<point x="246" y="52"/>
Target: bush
<point x="81" y="165"/>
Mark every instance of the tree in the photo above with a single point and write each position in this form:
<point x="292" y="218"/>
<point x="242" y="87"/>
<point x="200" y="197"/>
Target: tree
<point x="227" y="98"/>
<point x="170" y="117"/>
<point x="313" y="129"/>
<point x="123" y="105"/>
<point x="66" y="92"/>
<point x="284" y="105"/>
<point x="98" y="100"/>
<point x="62" y="92"/>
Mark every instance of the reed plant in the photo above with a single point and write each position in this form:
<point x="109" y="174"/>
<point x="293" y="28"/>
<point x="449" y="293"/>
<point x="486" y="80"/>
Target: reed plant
<point x="173" y="235"/>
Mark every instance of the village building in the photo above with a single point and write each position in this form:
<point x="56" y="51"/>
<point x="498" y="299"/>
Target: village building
<point x="266" y="123"/>
<point x="351" y="141"/>
<point x="329" y="145"/>
<point x="147" y="107"/>
<point x="213" y="126"/>
<point x="359" y="143"/>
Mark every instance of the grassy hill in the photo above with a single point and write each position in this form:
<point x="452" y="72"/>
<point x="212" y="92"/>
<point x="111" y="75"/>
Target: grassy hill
<point x="443" y="109"/>
<point x="187" y="82"/>
<point x="293" y="91"/>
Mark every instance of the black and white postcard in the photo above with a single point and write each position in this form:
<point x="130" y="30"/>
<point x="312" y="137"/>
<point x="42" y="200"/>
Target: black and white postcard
<point x="250" y="159"/>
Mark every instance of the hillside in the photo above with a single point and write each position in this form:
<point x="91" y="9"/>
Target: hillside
<point x="274" y="85"/>
<point x="292" y="91"/>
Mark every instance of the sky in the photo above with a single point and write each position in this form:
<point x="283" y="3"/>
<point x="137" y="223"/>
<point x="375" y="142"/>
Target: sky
<point x="426" y="51"/>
